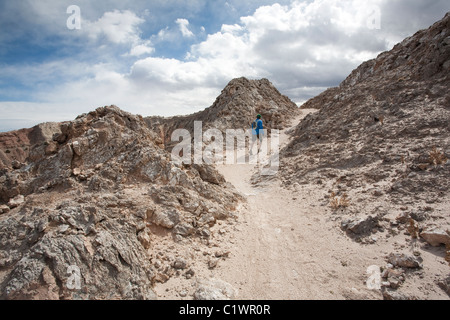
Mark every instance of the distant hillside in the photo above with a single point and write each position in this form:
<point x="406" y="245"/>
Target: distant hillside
<point x="236" y="108"/>
<point x="385" y="127"/>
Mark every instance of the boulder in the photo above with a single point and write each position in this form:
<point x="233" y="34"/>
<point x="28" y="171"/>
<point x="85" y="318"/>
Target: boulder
<point x="214" y="289"/>
<point x="180" y="264"/>
<point x="391" y="294"/>
<point x="167" y="219"/>
<point x="445" y="285"/>
<point x="17" y="201"/>
<point x="360" y="227"/>
<point x="405" y="261"/>
<point x="184" y="229"/>
<point x="209" y="174"/>
<point x="436" y="237"/>
<point x="4" y="209"/>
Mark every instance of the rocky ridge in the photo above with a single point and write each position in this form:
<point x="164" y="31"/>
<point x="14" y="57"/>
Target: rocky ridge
<point x="379" y="148"/>
<point x="91" y="202"/>
<point x="235" y="108"/>
<point x="96" y="202"/>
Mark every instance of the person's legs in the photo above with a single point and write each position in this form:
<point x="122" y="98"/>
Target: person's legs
<point x="253" y="143"/>
<point x="260" y="140"/>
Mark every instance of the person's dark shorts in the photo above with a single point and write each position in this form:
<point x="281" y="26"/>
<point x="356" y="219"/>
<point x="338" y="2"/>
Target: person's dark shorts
<point x="257" y="136"/>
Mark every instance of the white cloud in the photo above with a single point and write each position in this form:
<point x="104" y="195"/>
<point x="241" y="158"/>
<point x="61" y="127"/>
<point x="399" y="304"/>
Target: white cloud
<point x="303" y="48"/>
<point x="183" y="24"/>
<point x="119" y="27"/>
<point x="233" y="29"/>
<point x="142" y="49"/>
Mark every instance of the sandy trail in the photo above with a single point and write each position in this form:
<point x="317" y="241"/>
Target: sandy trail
<point x="286" y="247"/>
<point x="286" y="244"/>
<point x="283" y="245"/>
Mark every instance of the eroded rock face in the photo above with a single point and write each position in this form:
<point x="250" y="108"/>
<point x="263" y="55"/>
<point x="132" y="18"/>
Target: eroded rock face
<point x="381" y="142"/>
<point x="386" y="124"/>
<point x="235" y="108"/>
<point x="77" y="217"/>
<point x="16" y="146"/>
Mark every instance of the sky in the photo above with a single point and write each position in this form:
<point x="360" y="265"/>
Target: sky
<point x="62" y="58"/>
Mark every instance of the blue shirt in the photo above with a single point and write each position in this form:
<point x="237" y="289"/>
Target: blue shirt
<point x="259" y="126"/>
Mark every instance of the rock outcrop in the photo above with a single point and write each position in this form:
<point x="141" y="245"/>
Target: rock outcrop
<point x="385" y="125"/>
<point x="381" y="142"/>
<point x="81" y="215"/>
<point x="16" y="146"/>
<point x="235" y="108"/>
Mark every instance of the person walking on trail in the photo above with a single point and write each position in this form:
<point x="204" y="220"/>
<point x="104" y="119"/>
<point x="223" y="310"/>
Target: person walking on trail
<point x="257" y="133"/>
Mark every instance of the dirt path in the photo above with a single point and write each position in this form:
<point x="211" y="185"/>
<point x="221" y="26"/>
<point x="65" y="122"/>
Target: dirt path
<point x="286" y="244"/>
<point x="286" y="248"/>
<point x="282" y="246"/>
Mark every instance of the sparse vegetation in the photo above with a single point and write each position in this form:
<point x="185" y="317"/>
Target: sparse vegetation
<point x="337" y="203"/>
<point x="413" y="228"/>
<point x="437" y="157"/>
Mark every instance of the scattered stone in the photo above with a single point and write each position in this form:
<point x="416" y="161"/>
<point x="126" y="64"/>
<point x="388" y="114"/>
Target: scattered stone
<point x="180" y="264"/>
<point x="189" y="274"/>
<point x="403" y="260"/>
<point x="4" y="209"/>
<point x="76" y="171"/>
<point x="445" y="285"/>
<point x="167" y="219"/>
<point x="214" y="289"/>
<point x="183" y="293"/>
<point x="391" y="294"/>
<point x="435" y="237"/>
<point x="419" y="216"/>
<point x="360" y="227"/>
<point x="403" y="218"/>
<point x="17" y="201"/>
<point x="208" y="174"/>
<point x="212" y="263"/>
<point x="184" y="229"/>
<point x="206" y="233"/>
<point x="377" y="193"/>
<point x="222" y="254"/>
<point x="162" y="277"/>
<point x="144" y="239"/>
<point x="16" y="164"/>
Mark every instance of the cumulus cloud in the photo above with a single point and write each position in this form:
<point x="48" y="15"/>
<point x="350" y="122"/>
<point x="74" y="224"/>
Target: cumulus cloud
<point x="119" y="28"/>
<point x="303" y="47"/>
<point x="183" y="24"/>
<point x="116" y="26"/>
<point x="142" y="49"/>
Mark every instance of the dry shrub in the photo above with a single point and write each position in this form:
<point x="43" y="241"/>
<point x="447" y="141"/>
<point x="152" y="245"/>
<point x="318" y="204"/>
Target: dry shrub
<point x="413" y="228"/>
<point x="437" y="157"/>
<point x="343" y="202"/>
